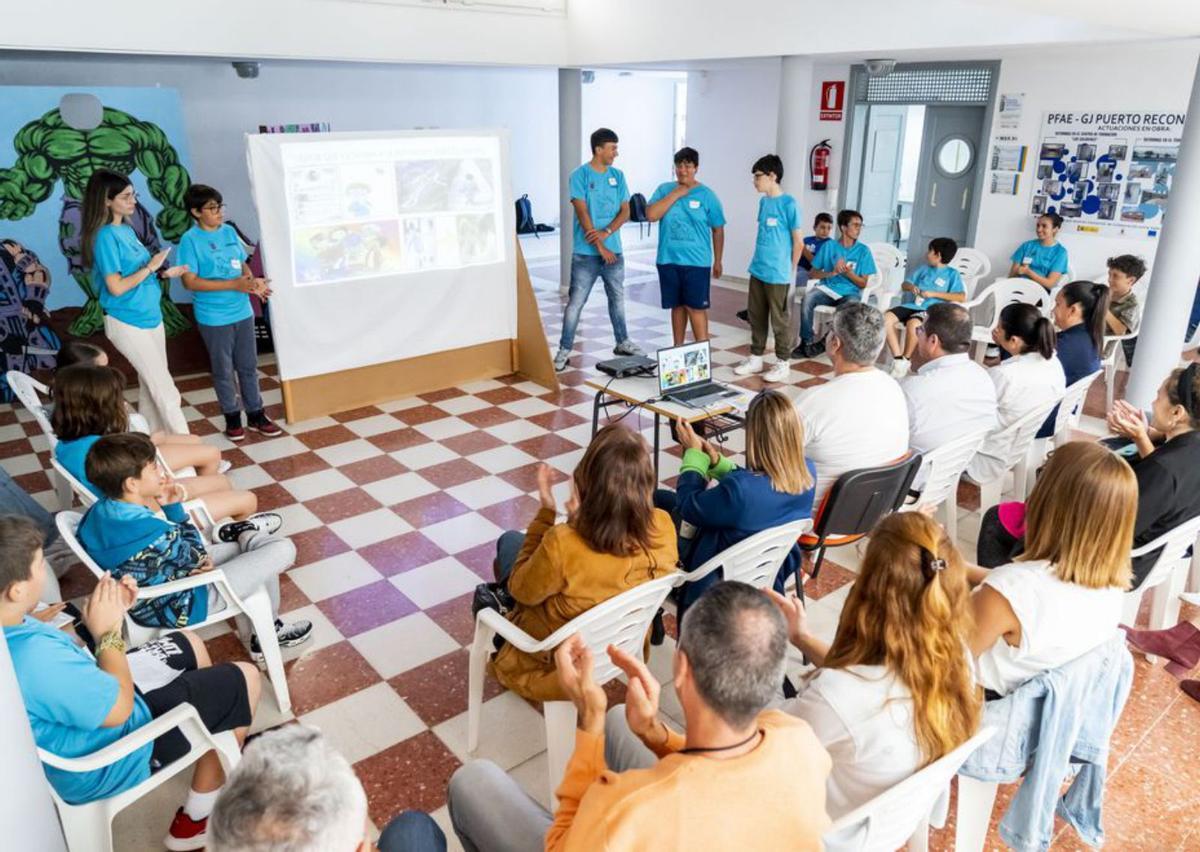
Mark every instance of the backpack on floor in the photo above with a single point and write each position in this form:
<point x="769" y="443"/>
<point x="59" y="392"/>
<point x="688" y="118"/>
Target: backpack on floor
<point x="637" y="212"/>
<point x="525" y="223"/>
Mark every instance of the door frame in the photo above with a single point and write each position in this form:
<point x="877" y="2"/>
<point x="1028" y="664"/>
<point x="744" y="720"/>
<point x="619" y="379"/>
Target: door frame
<point x="858" y="72"/>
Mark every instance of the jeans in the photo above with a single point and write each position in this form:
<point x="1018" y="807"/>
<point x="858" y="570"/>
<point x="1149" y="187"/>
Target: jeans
<point x="814" y="299"/>
<point x="585" y="268"/>
<point x="232" y="350"/>
<point x="15" y="501"/>
<point x="412" y="831"/>
<point x="508" y="548"/>
<point x="491" y="813"/>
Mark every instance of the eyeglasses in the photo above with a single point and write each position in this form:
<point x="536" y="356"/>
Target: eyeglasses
<point x="213" y="208"/>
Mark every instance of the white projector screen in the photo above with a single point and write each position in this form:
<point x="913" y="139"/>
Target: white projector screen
<point x="384" y="246"/>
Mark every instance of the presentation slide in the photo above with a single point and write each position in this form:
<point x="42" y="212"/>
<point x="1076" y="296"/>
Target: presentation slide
<point x="384" y="246"/>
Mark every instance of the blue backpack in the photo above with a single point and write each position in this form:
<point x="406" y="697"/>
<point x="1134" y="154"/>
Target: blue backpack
<point x="525" y="223"/>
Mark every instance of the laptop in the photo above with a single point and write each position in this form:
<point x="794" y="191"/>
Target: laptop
<point x="685" y="376"/>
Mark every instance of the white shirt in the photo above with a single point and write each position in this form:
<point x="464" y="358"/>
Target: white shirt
<point x="855" y="420"/>
<point x="1022" y="383"/>
<point x="863" y="716"/>
<point x="1059" y="622"/>
<point x="949" y="397"/>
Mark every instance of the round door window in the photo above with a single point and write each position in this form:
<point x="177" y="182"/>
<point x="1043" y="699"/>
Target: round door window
<point x="954" y="156"/>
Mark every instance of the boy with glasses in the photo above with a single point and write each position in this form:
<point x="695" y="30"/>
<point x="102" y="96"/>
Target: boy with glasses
<point x="221" y="284"/>
<point x="841" y="267"/>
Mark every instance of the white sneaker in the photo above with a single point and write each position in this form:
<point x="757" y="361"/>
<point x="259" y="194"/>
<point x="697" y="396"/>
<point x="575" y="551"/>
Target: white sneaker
<point x="560" y="360"/>
<point x="225" y="466"/>
<point x="780" y="371"/>
<point x="748" y="367"/>
<point x="900" y="368"/>
<point x="628" y="347"/>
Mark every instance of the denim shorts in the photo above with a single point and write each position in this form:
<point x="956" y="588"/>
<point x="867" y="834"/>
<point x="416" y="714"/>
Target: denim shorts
<point x="686" y="286"/>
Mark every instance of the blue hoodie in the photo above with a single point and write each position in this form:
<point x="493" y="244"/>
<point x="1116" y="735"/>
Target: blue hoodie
<point x="125" y="538"/>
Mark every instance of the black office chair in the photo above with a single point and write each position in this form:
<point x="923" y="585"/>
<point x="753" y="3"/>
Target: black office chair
<point x="855" y="504"/>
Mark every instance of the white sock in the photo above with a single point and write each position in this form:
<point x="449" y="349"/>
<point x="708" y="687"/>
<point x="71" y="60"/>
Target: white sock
<point x="200" y="805"/>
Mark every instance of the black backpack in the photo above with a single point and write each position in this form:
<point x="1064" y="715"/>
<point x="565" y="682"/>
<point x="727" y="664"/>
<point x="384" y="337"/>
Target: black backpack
<point x="525" y="223"/>
<point x="637" y="211"/>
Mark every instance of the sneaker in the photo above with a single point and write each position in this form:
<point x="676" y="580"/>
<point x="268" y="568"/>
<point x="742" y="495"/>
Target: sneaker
<point x="186" y="833"/>
<point x="235" y="433"/>
<point x="263" y="425"/>
<point x="816" y="349"/>
<point x="288" y="635"/>
<point x="900" y="368"/>
<point x="628" y="347"/>
<point x="268" y="522"/>
<point x="801" y="350"/>
<point x="743" y="315"/>
<point x="780" y="372"/>
<point x="748" y="367"/>
<point x="224" y="466"/>
<point x="560" y="360"/>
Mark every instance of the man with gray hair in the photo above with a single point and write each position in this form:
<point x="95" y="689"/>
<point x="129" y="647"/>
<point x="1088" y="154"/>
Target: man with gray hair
<point x="741" y="777"/>
<point x="859" y="417"/>
<point x="293" y="792"/>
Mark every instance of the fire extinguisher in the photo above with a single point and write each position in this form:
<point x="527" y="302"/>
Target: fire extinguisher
<point x="818" y="164"/>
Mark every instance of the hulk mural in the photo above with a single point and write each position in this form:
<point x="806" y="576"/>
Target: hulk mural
<point x="50" y="150"/>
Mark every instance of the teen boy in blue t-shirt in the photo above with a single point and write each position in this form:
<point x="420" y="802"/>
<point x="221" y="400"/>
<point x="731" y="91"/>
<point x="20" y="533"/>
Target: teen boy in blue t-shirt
<point x="841" y="267"/>
<point x="931" y="284"/>
<point x="221" y="283"/>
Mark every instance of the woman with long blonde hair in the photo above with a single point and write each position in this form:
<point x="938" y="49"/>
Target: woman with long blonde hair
<point x="1063" y="596"/>
<point x="775" y="487"/>
<point x="894" y="691"/>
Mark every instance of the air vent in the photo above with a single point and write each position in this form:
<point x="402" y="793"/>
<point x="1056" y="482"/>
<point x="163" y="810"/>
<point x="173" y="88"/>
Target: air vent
<point x="967" y="85"/>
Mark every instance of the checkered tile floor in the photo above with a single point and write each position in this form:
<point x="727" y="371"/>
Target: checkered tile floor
<point x="395" y="510"/>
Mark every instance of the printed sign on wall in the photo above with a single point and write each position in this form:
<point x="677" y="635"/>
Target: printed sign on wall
<point x="1107" y="172"/>
<point x="833" y="99"/>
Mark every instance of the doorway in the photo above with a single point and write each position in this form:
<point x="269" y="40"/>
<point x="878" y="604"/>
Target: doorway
<point x="915" y="144"/>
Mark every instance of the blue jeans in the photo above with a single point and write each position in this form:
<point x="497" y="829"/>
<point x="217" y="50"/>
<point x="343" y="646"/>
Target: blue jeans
<point x="814" y="299"/>
<point x="412" y="831"/>
<point x="233" y="354"/>
<point x="14" y="501"/>
<point x="585" y="269"/>
<point x="508" y="548"/>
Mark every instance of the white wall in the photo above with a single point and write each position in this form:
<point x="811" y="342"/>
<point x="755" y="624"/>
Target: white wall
<point x="814" y="201"/>
<point x="733" y="117"/>
<point x="1135" y="79"/>
<point x="640" y="107"/>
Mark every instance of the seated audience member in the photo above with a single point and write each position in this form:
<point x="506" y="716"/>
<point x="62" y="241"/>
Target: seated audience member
<point x="895" y="691"/>
<point x="742" y="777"/>
<point x="822" y="231"/>
<point x="74" y="352"/>
<point x="950" y="395"/>
<point x="1044" y="260"/>
<point x="1064" y="595"/>
<point x="1124" y="312"/>
<point x="1031" y="378"/>
<point x="78" y="703"/>
<point x="930" y="285"/>
<point x="124" y="535"/>
<point x="14" y="500"/>
<point x="613" y="539"/>
<point x="841" y="268"/>
<point x="774" y="488"/>
<point x="859" y="417"/>
<point x="293" y="791"/>
<point x="89" y="402"/>
<point x="1079" y="311"/>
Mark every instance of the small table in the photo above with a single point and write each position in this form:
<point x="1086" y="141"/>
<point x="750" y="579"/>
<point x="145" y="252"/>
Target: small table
<point x="643" y="392"/>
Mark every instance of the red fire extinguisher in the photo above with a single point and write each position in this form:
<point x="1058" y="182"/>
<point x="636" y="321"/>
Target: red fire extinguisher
<point x="818" y="163"/>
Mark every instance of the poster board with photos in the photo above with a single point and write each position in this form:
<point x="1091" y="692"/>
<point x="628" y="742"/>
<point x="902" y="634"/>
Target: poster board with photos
<point x="1107" y="172"/>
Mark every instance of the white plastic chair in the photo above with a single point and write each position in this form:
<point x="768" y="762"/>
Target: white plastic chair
<point x="88" y="827"/>
<point x="940" y="472"/>
<point x="901" y="815"/>
<point x="1014" y="441"/>
<point x="30" y="392"/>
<point x="255" y="607"/>
<point x="1166" y="580"/>
<point x="893" y="267"/>
<point x="1066" y="419"/>
<point x="623" y="621"/>
<point x="973" y="266"/>
<point x="1003" y="292"/>
<point x="755" y="560"/>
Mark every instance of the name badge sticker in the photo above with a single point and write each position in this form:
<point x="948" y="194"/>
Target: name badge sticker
<point x="772" y="221"/>
<point x="235" y="263"/>
<point x="612" y="181"/>
<point x="851" y="264"/>
<point x="695" y="205"/>
<point x="1026" y="260"/>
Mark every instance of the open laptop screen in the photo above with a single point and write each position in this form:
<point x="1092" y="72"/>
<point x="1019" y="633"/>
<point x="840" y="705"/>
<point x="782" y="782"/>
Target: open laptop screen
<point x="683" y="366"/>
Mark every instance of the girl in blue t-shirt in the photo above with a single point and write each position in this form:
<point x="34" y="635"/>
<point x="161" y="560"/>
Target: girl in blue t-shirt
<point x="1043" y="260"/>
<point x="124" y="274"/>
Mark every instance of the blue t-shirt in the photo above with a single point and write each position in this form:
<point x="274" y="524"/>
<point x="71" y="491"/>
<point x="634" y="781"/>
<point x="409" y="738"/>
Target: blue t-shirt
<point x="118" y="250"/>
<point x="933" y="280"/>
<point x="216" y="256"/>
<point x="685" y="232"/>
<point x="603" y="193"/>
<point x="858" y="257"/>
<point x="67" y="697"/>
<point x="777" y="218"/>
<point x="812" y="244"/>
<point x="1042" y="259"/>
<point x="73" y="456"/>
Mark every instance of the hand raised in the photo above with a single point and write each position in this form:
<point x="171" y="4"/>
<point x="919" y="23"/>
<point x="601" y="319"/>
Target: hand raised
<point x="641" y="698"/>
<point x="574" y="665"/>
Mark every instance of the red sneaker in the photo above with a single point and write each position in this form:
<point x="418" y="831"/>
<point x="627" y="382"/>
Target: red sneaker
<point x="235" y="433"/>
<point x="186" y="834"/>
<point x="264" y="426"/>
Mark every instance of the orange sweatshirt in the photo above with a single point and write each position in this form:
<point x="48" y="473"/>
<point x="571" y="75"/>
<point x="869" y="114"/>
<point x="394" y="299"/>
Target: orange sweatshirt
<point x="772" y="798"/>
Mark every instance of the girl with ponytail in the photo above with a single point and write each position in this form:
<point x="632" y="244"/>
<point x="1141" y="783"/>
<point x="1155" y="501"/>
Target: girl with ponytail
<point x="1031" y="378"/>
<point x="894" y="691"/>
<point x="1079" y="312"/>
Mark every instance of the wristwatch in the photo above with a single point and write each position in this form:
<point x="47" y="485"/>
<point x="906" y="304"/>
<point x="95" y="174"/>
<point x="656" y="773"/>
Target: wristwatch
<point x="111" y="639"/>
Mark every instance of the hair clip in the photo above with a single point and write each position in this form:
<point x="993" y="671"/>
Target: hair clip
<point x="937" y="564"/>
